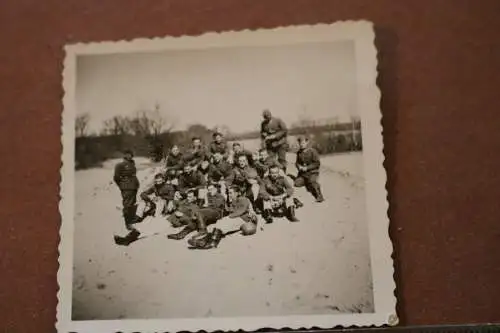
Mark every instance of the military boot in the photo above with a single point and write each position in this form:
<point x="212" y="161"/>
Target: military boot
<point x="297" y="203"/>
<point x="291" y="214"/>
<point x="131" y="237"/>
<point x="267" y="215"/>
<point x="183" y="233"/>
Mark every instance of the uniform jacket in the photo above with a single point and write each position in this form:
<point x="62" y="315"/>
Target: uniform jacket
<point x="239" y="207"/>
<point x="263" y="166"/>
<point x="277" y="128"/>
<point x="194" y="179"/>
<point x="196" y="155"/>
<point x="221" y="147"/>
<point x="174" y="161"/>
<point x="245" y="152"/>
<point x="242" y="176"/>
<point x="309" y="158"/>
<point x="165" y="191"/>
<point x="216" y="202"/>
<point x="125" y="175"/>
<point x="219" y="171"/>
<point x="275" y="187"/>
<point x="189" y="209"/>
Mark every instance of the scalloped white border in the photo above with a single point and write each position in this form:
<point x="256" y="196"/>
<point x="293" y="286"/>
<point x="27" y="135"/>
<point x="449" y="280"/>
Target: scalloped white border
<point x="362" y="33"/>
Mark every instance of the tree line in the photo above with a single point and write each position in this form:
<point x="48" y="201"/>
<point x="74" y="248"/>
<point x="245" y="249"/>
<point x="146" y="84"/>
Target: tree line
<point x="149" y="134"/>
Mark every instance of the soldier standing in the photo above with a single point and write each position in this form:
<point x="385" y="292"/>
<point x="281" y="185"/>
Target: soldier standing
<point x="125" y="177"/>
<point x="273" y="132"/>
<point x="308" y="164"/>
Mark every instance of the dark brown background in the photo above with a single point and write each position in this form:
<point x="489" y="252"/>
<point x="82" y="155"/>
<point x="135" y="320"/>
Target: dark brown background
<point x="440" y="82"/>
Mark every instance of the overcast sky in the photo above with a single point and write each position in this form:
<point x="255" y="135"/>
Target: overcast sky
<point x="229" y="86"/>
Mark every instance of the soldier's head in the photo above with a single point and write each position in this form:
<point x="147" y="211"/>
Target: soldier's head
<point x="128" y="155"/>
<point x="178" y="196"/>
<point x="274" y="172"/>
<point x="190" y="196"/>
<point x="196" y="142"/>
<point x="303" y="142"/>
<point x="263" y="154"/>
<point x="217" y="136"/>
<point x="233" y="192"/>
<point x="237" y="147"/>
<point x="171" y="174"/>
<point x="204" y="164"/>
<point x="242" y="161"/>
<point x="212" y="189"/>
<point x="159" y="179"/>
<point x="187" y="168"/>
<point x="217" y="157"/>
<point x="175" y="150"/>
<point x="266" y="114"/>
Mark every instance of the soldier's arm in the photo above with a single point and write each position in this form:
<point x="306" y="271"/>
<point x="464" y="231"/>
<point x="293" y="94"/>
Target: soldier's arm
<point x="288" y="188"/>
<point x="315" y="162"/>
<point x="146" y="193"/>
<point x="263" y="192"/>
<point x="201" y="180"/>
<point x="117" y="174"/>
<point x="282" y="131"/>
<point x="241" y="207"/>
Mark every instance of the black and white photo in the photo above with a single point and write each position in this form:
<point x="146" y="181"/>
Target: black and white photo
<point x="225" y="181"/>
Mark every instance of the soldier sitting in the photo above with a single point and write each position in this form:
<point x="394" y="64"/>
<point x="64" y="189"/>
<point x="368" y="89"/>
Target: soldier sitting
<point x="196" y="154"/>
<point x="156" y="198"/>
<point x="218" y="145"/>
<point x="192" y="179"/>
<point x="308" y="164"/>
<point x="183" y="209"/>
<point x="240" y="218"/>
<point x="277" y="195"/>
<point x="220" y="172"/>
<point x="246" y="178"/>
<point x="237" y="151"/>
<point x="174" y="160"/>
<point x="264" y="162"/>
<point x="197" y="219"/>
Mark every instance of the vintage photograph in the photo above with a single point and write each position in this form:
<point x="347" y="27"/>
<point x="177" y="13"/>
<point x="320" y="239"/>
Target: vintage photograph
<point x="225" y="181"/>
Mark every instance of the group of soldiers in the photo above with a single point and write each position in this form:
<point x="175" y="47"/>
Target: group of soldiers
<point x="214" y="184"/>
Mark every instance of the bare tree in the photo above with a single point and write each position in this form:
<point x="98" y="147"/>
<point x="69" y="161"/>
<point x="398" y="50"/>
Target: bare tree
<point x="117" y="125"/>
<point x="81" y="125"/>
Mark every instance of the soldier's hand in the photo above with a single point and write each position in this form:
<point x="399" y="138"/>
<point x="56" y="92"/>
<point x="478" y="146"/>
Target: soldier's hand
<point x="178" y="214"/>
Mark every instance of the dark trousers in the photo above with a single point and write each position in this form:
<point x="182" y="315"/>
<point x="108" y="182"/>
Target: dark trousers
<point x="280" y="154"/>
<point x="310" y="181"/>
<point x="129" y="201"/>
<point x="207" y="216"/>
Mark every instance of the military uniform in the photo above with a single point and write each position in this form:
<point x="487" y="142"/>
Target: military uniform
<point x="191" y="180"/>
<point x="194" y="156"/>
<point x="219" y="147"/>
<point x="196" y="218"/>
<point x="219" y="171"/>
<point x="277" y="144"/>
<point x="174" y="162"/>
<point x="309" y="159"/>
<point x="125" y="177"/>
<point x="262" y="167"/>
<point x="244" y="152"/>
<point x="164" y="192"/>
<point x="275" y="193"/>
